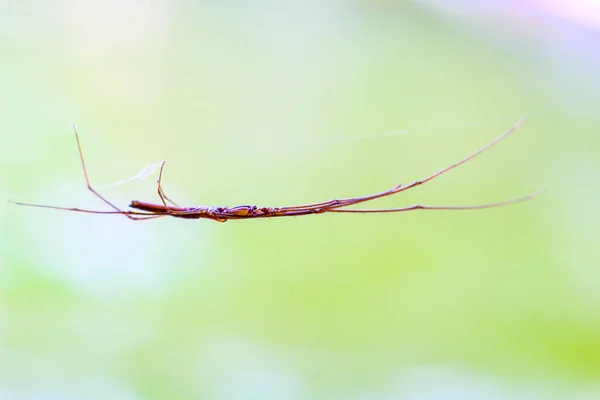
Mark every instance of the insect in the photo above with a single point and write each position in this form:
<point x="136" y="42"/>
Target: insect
<point x="144" y="210"/>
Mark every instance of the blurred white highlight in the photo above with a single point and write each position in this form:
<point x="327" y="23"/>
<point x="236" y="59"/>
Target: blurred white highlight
<point x="580" y="12"/>
<point x="145" y="172"/>
<point x="98" y="27"/>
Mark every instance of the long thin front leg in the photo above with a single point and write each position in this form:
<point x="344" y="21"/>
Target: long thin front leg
<point x="139" y="215"/>
<point x="160" y="191"/>
<point x="89" y="185"/>
<point x="168" y="199"/>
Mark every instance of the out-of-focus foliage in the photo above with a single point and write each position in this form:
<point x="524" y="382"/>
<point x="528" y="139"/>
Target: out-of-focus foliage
<point x="258" y="103"/>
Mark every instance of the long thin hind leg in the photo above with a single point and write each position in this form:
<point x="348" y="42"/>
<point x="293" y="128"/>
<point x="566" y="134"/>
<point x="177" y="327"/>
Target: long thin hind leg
<point x="89" y="185"/>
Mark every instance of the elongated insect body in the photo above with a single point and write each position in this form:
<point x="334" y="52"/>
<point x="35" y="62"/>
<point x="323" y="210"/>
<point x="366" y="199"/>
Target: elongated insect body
<point x="144" y="210"/>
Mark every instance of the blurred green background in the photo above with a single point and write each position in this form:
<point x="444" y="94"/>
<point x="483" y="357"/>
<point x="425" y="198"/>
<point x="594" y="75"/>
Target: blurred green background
<point x="277" y="103"/>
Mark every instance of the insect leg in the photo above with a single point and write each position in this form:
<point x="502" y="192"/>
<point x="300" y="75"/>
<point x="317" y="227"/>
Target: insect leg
<point x="89" y="185"/>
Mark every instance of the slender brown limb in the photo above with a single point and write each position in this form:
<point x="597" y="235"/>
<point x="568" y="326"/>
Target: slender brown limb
<point x="454" y="208"/>
<point x="331" y="204"/>
<point x="139" y="215"/>
<point x="222" y="214"/>
<point x="89" y="185"/>
<point x="161" y="192"/>
<point x="159" y="188"/>
<point x="132" y="215"/>
<point x="168" y="199"/>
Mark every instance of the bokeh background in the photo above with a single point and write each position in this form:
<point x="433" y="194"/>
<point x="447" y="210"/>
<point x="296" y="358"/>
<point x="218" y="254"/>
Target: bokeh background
<point x="292" y="102"/>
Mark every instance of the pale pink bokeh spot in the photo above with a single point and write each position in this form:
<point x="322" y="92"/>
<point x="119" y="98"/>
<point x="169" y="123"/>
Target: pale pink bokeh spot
<point x="580" y="12"/>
